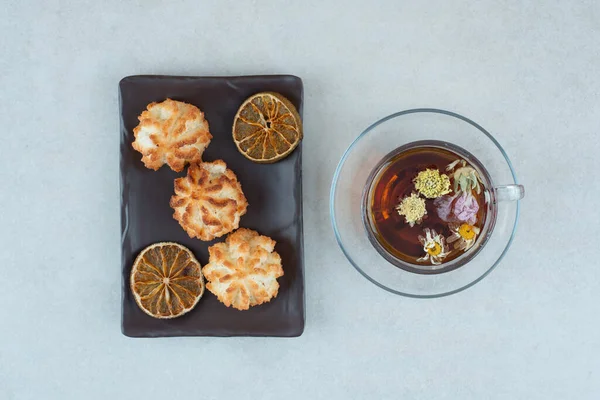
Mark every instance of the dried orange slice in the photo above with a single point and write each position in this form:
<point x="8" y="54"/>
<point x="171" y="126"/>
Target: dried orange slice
<point x="267" y="128"/>
<point x="166" y="280"/>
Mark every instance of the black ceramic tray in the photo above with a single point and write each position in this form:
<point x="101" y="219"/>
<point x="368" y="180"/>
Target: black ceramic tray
<point x="274" y="193"/>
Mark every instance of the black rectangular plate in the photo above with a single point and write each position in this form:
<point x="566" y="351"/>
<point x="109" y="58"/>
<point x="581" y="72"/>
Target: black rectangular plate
<point x="274" y="193"/>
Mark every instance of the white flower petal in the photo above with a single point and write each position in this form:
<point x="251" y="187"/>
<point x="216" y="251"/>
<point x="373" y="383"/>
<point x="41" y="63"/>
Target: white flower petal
<point x="428" y="235"/>
<point x="452" y="165"/>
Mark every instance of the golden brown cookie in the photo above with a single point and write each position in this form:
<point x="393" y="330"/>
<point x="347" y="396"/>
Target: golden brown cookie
<point x="243" y="271"/>
<point x="172" y="133"/>
<point x="209" y="201"/>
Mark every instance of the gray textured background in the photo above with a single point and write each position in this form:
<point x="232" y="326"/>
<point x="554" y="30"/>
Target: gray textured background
<point x="527" y="71"/>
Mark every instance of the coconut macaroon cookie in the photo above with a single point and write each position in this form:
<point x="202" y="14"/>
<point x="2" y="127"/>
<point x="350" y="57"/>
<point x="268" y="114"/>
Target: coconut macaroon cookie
<point x="172" y="133"/>
<point x="243" y="271"/>
<point x="209" y="201"/>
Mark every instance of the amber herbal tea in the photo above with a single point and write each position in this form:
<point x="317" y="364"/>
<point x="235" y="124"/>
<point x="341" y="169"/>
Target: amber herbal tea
<point x="427" y="205"/>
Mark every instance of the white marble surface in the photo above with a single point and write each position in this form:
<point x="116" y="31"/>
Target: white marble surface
<point x="527" y="71"/>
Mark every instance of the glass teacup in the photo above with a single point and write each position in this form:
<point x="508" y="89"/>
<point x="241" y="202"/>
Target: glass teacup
<point x="366" y="157"/>
<point x="490" y="196"/>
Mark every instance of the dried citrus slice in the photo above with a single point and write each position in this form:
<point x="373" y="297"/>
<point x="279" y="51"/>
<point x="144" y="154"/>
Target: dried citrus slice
<point x="267" y="128"/>
<point x="166" y="280"/>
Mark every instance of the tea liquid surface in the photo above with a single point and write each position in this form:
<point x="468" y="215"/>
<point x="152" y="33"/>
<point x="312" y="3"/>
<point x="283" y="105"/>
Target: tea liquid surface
<point x="396" y="182"/>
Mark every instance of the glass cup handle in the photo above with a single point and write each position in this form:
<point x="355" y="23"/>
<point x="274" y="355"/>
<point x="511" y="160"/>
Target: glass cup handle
<point x="509" y="192"/>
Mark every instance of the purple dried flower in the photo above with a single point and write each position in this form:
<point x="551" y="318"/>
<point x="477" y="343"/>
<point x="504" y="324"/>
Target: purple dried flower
<point x="443" y="207"/>
<point x="465" y="208"/>
<point x="457" y="208"/>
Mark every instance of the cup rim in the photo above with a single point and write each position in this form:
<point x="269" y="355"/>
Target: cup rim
<point x="363" y="135"/>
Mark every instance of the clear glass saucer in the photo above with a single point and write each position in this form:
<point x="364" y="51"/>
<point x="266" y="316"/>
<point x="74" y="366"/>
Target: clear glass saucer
<point x="351" y="176"/>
